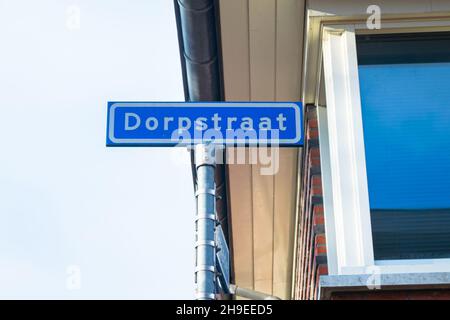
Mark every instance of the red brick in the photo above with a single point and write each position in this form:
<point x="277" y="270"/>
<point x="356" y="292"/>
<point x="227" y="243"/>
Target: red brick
<point x="313" y="134"/>
<point x="316" y="191"/>
<point x="314" y="158"/>
<point x="312" y="123"/>
<point x="321" y="251"/>
<point x="318" y="209"/>
<point x="320" y="240"/>
<point x="318" y="219"/>
<point x="316" y="180"/>
<point x="315" y="162"/>
<point x="314" y="152"/>
<point x="320" y="248"/>
<point x="322" y="270"/>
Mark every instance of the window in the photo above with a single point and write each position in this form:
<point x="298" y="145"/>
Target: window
<point x="386" y="155"/>
<point x="405" y="101"/>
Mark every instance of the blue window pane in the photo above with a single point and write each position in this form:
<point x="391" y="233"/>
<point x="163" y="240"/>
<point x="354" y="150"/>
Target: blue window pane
<point x="405" y="98"/>
<point x="406" y="119"/>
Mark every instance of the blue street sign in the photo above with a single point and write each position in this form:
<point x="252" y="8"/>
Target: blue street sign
<point x="185" y="123"/>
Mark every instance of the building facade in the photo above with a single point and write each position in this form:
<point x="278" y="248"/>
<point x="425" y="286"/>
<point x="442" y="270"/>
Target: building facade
<point x="362" y="211"/>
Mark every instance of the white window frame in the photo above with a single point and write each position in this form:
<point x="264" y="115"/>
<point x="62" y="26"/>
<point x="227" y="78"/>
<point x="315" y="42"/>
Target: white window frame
<point x="345" y="189"/>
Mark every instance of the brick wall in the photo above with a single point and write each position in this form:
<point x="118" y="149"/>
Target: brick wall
<point x="311" y="258"/>
<point x="311" y="243"/>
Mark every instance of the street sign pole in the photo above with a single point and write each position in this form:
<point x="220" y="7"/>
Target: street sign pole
<point x="162" y="124"/>
<point x="205" y="245"/>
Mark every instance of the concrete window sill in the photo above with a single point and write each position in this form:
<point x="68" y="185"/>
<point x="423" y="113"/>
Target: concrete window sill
<point x="384" y="282"/>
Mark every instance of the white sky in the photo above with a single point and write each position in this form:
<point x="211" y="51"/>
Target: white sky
<point x="123" y="217"/>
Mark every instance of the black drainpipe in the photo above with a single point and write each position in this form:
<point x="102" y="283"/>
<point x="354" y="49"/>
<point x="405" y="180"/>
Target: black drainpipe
<point x="198" y="36"/>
